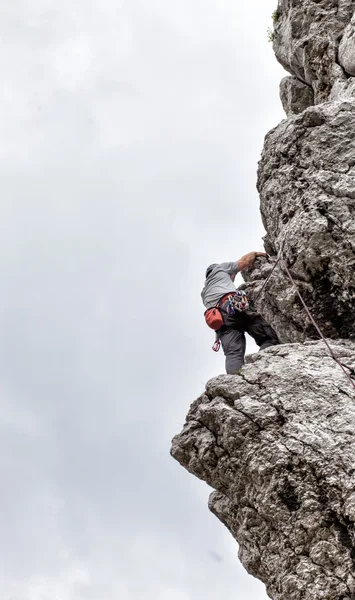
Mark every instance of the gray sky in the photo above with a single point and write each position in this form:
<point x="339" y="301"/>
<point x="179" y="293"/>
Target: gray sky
<point x="131" y="132"/>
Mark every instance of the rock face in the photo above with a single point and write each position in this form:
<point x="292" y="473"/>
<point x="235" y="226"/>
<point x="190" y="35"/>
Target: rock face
<point x="306" y="180"/>
<point x="347" y="48"/>
<point x="306" y="176"/>
<point x="295" y="95"/>
<point x="277" y="444"/>
<point x="307" y="35"/>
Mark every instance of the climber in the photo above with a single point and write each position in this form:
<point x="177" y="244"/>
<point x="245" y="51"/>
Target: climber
<point x="219" y="297"/>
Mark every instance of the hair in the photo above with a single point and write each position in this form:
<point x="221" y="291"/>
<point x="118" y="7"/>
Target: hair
<point x="210" y="269"/>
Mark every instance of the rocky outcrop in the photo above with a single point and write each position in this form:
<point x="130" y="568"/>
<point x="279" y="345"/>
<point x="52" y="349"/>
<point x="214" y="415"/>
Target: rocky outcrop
<point x="347" y="48"/>
<point x="295" y="95"/>
<point x="277" y="444"/>
<point x="277" y="441"/>
<point x="306" y="177"/>
<point x="306" y="180"/>
<point x="306" y="41"/>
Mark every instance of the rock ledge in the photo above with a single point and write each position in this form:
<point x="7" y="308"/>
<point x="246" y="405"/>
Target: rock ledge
<point x="277" y="444"/>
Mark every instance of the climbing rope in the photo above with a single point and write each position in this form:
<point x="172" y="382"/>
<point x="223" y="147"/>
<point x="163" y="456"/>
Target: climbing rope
<point x="279" y="256"/>
<point x="307" y="311"/>
<point x="268" y="277"/>
<point x="316" y="326"/>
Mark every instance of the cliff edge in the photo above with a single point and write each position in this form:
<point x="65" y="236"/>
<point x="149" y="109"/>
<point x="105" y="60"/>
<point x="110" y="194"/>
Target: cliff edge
<point x="277" y="441"/>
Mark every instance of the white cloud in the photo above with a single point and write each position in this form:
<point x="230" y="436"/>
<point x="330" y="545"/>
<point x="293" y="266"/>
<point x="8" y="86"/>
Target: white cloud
<point x="131" y="134"/>
<point x="171" y="594"/>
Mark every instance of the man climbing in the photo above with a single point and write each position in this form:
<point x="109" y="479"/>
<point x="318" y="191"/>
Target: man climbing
<point x="219" y="291"/>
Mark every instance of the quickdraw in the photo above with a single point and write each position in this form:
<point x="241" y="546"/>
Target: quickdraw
<point x="237" y="302"/>
<point x="216" y="346"/>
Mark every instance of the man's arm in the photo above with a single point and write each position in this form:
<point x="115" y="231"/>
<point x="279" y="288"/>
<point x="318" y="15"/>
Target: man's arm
<point x="247" y="260"/>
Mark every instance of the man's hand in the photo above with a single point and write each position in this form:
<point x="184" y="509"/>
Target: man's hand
<point x="247" y="260"/>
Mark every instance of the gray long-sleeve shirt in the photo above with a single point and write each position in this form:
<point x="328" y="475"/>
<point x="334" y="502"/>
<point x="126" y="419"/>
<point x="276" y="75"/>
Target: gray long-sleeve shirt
<point x="219" y="283"/>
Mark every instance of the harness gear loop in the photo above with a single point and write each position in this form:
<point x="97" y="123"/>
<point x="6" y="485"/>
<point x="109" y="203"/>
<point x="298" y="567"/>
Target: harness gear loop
<point x="237" y="301"/>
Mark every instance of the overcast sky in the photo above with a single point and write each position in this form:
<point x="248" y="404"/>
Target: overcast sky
<point x="130" y="135"/>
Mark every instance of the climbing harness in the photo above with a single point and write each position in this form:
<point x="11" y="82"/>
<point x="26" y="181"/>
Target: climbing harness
<point x="237" y="302"/>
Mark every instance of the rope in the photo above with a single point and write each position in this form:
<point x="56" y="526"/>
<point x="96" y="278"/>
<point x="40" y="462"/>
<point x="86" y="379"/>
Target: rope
<point x="316" y="326"/>
<point x="274" y="267"/>
<point x="268" y="277"/>
<point x="307" y="311"/>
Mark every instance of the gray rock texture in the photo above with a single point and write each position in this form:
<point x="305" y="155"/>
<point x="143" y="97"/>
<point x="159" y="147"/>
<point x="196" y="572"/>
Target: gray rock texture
<point x="347" y="48"/>
<point x="307" y="35"/>
<point x="306" y="181"/>
<point x="295" y="95"/>
<point x="343" y="89"/>
<point x="277" y="444"/>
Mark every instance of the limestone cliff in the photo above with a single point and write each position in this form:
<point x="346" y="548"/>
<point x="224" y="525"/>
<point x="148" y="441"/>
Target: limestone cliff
<point x="277" y="442"/>
<point x="307" y="34"/>
<point x="306" y="176"/>
<point x="306" y="181"/>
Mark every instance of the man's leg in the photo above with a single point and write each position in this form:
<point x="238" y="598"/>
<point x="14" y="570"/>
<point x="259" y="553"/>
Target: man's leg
<point x="261" y="331"/>
<point x="233" y="344"/>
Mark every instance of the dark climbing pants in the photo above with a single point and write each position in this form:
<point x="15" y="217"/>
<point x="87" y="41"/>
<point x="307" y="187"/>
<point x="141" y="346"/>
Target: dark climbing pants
<point x="232" y="336"/>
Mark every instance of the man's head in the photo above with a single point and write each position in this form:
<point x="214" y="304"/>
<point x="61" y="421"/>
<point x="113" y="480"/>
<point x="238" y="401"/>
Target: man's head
<point x="210" y="269"/>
